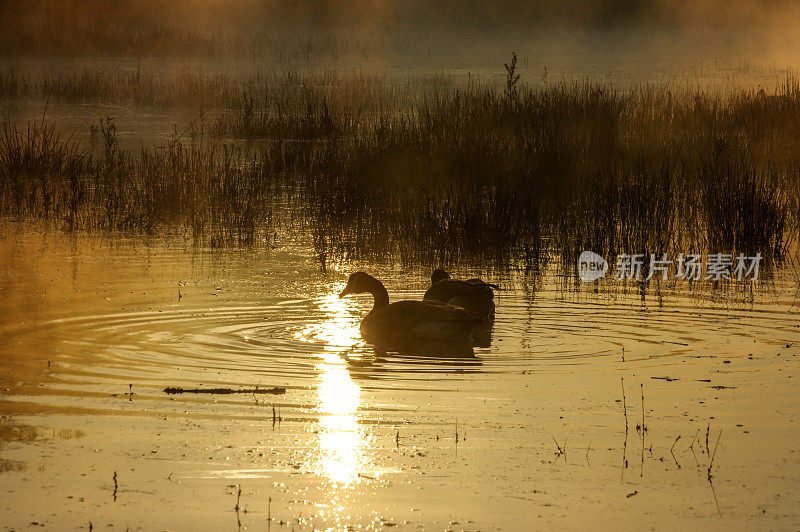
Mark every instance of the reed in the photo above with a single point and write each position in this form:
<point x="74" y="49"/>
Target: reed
<point x="433" y="170"/>
<point x="203" y="190"/>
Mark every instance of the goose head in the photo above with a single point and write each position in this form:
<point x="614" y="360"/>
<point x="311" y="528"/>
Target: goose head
<point x="364" y="283"/>
<point x="358" y="283"/>
<point x="439" y="275"/>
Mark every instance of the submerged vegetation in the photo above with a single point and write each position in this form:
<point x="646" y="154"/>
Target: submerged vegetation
<point x="432" y="170"/>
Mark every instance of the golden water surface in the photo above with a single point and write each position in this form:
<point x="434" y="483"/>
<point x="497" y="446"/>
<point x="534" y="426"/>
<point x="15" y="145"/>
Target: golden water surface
<point x="593" y="409"/>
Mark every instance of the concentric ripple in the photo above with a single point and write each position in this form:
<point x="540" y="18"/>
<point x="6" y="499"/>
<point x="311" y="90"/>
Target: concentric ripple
<point x="281" y="343"/>
<point x="111" y="319"/>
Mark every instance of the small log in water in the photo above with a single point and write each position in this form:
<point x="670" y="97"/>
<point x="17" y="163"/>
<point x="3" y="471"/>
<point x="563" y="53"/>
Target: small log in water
<point x="225" y="391"/>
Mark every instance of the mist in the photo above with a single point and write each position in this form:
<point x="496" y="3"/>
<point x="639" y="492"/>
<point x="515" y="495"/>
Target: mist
<point x="53" y="26"/>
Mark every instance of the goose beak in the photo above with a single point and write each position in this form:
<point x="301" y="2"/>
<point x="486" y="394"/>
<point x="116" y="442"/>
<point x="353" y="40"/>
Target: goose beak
<point x="345" y="292"/>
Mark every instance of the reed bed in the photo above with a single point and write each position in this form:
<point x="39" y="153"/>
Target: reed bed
<point x="267" y="93"/>
<point x="205" y="192"/>
<point x="440" y="171"/>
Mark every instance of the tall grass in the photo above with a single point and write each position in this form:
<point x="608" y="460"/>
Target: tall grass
<point x="442" y="172"/>
<point x="258" y="97"/>
<point x="208" y="192"/>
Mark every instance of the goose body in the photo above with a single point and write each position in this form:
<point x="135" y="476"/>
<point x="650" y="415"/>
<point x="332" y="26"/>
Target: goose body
<point x="409" y="323"/>
<point x="473" y="294"/>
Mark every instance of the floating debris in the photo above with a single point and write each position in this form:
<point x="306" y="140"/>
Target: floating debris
<point x="226" y="391"/>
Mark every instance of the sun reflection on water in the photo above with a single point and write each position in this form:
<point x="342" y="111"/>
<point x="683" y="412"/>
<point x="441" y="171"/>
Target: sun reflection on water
<point x="342" y="441"/>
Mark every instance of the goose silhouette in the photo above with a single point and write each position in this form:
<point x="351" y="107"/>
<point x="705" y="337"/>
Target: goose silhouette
<point x="410" y="324"/>
<point x="474" y="295"/>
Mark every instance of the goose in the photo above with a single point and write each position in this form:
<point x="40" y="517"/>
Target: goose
<point x="473" y="294"/>
<point x="404" y="324"/>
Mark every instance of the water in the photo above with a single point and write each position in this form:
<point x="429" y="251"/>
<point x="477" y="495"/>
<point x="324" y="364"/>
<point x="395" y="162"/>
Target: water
<point x="369" y="440"/>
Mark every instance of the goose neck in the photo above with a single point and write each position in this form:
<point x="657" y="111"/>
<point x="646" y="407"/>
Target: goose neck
<point x="380" y="296"/>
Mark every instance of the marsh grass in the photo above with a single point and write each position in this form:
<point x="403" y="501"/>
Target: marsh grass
<point x="514" y="177"/>
<point x="40" y="173"/>
<point x="435" y="171"/>
<point x="202" y="190"/>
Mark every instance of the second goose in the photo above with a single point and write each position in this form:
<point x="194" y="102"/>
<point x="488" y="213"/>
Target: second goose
<point x="473" y="294"/>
